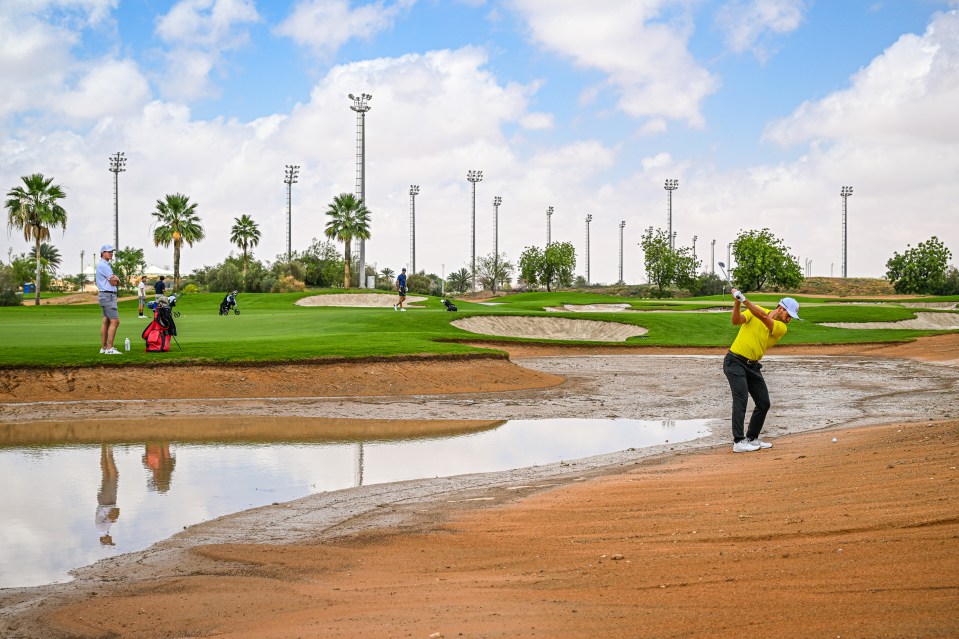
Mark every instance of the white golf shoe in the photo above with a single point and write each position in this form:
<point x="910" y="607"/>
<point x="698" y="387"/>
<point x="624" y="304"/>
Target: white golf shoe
<point x="760" y="443"/>
<point x="744" y="446"/>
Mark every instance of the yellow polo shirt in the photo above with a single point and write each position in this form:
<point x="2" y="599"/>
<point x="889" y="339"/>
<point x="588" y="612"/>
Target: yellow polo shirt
<point x="754" y="339"/>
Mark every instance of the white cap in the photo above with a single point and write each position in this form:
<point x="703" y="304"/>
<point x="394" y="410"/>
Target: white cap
<point x="106" y="248"/>
<point x="791" y="306"/>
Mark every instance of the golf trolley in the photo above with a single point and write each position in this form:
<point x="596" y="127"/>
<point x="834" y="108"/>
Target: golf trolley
<point x="229" y="302"/>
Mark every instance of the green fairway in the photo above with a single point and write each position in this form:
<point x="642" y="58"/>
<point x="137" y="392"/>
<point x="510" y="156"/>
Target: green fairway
<point x="272" y="328"/>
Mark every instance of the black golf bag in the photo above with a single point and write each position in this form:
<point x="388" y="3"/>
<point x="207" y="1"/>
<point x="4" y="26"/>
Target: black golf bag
<point x="450" y="306"/>
<point x="228" y="303"/>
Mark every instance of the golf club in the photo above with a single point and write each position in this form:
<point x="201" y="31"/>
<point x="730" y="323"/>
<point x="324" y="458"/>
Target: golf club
<point x="722" y="267"/>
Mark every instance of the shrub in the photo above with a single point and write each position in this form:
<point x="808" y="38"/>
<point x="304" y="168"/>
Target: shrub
<point x="289" y="284"/>
<point x="8" y="288"/>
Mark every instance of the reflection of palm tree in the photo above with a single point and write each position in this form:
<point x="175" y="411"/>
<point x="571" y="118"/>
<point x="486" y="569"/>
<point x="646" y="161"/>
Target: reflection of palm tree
<point x="107" y="511"/>
<point x="160" y="461"/>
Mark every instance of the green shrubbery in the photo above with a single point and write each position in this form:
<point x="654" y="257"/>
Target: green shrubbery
<point x="8" y="287"/>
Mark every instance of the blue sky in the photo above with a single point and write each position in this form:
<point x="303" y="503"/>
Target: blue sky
<point x="762" y="109"/>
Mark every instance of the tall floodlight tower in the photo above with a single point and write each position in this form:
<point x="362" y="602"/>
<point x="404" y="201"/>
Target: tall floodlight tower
<point x="589" y="218"/>
<point x="118" y="165"/>
<point x="549" y="225"/>
<point x="290" y="178"/>
<point x="361" y="106"/>
<point x="414" y="191"/>
<point x="845" y="192"/>
<point x="497" y="200"/>
<point x="671" y="185"/>
<point x="622" y="225"/>
<point x="474" y="177"/>
<point x="729" y="256"/>
<point x="712" y="255"/>
<point x="695" y="237"/>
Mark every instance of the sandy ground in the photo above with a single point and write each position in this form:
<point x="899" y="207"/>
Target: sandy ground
<point x="365" y="300"/>
<point x="857" y="538"/>
<point x="557" y="328"/>
<point x="922" y="321"/>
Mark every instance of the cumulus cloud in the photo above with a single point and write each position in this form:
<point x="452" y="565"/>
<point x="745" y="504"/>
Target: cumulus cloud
<point x="910" y="92"/>
<point x="746" y="24"/>
<point x="323" y="26"/>
<point x="199" y="32"/>
<point x="639" y="46"/>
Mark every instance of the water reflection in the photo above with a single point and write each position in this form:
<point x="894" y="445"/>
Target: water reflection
<point x="107" y="509"/>
<point x="228" y="465"/>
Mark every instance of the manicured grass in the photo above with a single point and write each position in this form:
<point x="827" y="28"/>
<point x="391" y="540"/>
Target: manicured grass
<point x="272" y="328"/>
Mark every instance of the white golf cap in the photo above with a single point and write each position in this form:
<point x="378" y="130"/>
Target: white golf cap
<point x="791" y="306"/>
<point x="106" y="248"/>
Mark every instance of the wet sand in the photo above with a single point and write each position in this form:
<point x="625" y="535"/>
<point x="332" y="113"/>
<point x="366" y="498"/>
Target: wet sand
<point x="856" y="538"/>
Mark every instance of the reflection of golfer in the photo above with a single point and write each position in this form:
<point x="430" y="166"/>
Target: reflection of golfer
<point x="401" y="288"/>
<point x="107" y="511"/>
<point x="160" y="461"/>
<point x="759" y="329"/>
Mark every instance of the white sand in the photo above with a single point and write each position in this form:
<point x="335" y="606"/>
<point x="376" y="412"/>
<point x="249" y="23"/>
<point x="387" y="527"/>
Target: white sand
<point x="923" y="321"/>
<point x="364" y="300"/>
<point x="549" y="328"/>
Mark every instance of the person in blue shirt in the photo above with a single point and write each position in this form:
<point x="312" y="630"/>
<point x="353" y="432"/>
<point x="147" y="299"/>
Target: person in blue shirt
<point x="401" y="287"/>
<point x="107" y="297"/>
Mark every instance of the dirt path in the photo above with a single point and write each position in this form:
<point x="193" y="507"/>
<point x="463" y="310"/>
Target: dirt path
<point x="856" y="538"/>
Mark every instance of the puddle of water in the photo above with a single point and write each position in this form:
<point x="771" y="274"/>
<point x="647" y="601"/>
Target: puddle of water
<point x="76" y="493"/>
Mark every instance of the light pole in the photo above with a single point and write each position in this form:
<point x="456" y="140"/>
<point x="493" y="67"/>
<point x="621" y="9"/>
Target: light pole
<point x="845" y="192"/>
<point x="589" y="218"/>
<point x="361" y="106"/>
<point x="549" y="225"/>
<point x="622" y="225"/>
<point x="497" y="200"/>
<point x="474" y="177"/>
<point x="82" y="279"/>
<point x="729" y="256"/>
<point x="671" y="185"/>
<point x="414" y="191"/>
<point x="712" y="255"/>
<point x="118" y="165"/>
<point x="695" y="237"/>
<point x="290" y="178"/>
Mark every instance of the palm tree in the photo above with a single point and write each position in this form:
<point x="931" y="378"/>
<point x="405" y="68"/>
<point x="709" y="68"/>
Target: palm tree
<point x="349" y="220"/>
<point x="245" y="234"/>
<point x="35" y="210"/>
<point x="177" y="223"/>
<point x="48" y="254"/>
<point x="388" y="274"/>
<point x="458" y="281"/>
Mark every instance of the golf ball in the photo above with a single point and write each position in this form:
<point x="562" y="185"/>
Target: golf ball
<point x="834" y="440"/>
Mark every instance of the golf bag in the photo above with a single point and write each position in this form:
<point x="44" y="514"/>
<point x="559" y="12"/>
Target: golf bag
<point x="158" y="334"/>
<point x="450" y="306"/>
<point x="229" y="302"/>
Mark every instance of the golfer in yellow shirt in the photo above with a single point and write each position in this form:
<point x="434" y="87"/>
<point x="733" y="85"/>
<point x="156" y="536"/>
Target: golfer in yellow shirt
<point x="759" y="329"/>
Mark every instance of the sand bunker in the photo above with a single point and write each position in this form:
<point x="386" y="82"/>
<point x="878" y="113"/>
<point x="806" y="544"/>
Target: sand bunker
<point x="549" y="328"/>
<point x="922" y="321"/>
<point x="364" y="300"/>
<point x="589" y="308"/>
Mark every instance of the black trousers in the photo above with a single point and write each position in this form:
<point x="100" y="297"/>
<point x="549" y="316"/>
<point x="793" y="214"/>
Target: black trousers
<point x="745" y="381"/>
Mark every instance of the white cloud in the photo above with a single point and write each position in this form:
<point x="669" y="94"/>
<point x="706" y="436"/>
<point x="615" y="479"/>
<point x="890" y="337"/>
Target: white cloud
<point x="323" y="26"/>
<point x="747" y="23"/>
<point x="110" y="88"/>
<point x="199" y="32"/>
<point x="910" y="92"/>
<point x="643" y="54"/>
